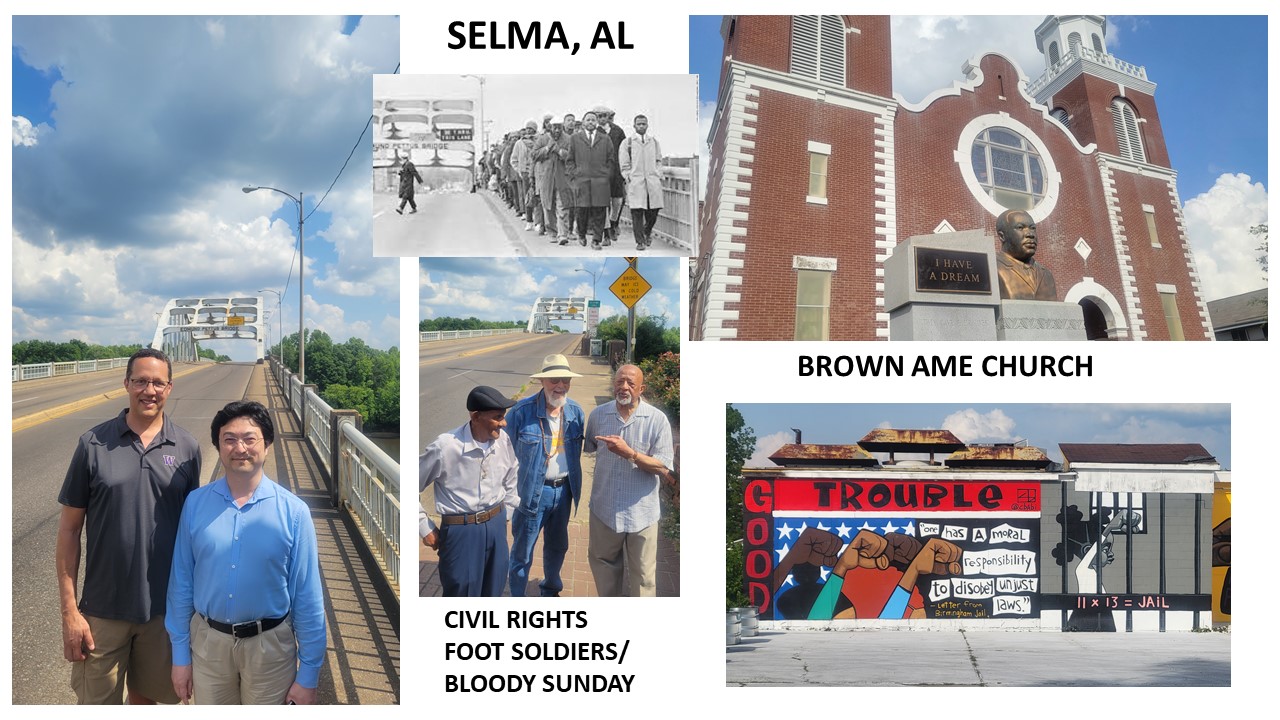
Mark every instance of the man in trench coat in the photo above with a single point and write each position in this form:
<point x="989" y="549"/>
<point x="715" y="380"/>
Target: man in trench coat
<point x="408" y="172"/>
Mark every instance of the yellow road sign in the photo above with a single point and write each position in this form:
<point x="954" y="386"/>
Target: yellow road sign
<point x="630" y="287"/>
<point x="235" y="320"/>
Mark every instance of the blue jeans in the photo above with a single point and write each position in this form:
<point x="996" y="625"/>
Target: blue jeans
<point x="553" y="520"/>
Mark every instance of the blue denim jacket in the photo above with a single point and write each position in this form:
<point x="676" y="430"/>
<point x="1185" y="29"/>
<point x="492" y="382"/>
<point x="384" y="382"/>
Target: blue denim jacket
<point x="531" y="437"/>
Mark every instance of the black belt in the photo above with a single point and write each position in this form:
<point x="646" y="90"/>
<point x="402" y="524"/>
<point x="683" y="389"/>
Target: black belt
<point x="245" y="629"/>
<point x="557" y="482"/>
<point x="471" y="518"/>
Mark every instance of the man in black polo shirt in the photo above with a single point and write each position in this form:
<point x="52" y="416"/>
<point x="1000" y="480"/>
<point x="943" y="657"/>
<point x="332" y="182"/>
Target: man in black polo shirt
<point x="127" y="482"/>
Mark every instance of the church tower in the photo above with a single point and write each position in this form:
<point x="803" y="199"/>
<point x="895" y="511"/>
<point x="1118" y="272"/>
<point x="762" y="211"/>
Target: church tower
<point x="1110" y="103"/>
<point x="1099" y="97"/>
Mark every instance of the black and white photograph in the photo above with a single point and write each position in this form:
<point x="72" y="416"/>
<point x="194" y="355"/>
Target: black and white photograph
<point x="518" y="166"/>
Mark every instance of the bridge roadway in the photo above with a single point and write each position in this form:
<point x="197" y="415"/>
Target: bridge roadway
<point x="362" y="665"/>
<point x="451" y="224"/>
<point x="448" y="369"/>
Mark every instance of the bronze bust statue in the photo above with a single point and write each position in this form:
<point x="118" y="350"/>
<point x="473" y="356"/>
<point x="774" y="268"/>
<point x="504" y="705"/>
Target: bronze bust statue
<point x="1021" y="277"/>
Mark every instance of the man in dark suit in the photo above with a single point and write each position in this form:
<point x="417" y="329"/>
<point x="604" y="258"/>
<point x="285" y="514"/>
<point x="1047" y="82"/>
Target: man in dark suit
<point x="591" y="164"/>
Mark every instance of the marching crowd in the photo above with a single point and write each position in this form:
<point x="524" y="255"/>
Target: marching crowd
<point x="571" y="178"/>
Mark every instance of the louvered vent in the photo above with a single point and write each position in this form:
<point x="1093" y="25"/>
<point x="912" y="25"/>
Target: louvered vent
<point x="817" y="47"/>
<point x="1127" y="137"/>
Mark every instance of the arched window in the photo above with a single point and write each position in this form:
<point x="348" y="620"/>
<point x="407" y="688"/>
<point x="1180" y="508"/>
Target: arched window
<point x="1097" y="45"/>
<point x="1053" y="54"/>
<point x="1061" y="116"/>
<point x="1073" y="42"/>
<point x="817" y="47"/>
<point x="1128" y="139"/>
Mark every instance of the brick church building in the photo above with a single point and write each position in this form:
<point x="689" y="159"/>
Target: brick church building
<point x="818" y="171"/>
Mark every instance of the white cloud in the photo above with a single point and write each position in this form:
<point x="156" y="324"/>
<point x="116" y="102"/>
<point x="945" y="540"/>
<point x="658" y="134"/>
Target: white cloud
<point x="24" y="133"/>
<point x="1218" y="223"/>
<point x="217" y="30"/>
<point x="929" y="50"/>
<point x="767" y="446"/>
<point x="972" y="427"/>
<point x="149" y="160"/>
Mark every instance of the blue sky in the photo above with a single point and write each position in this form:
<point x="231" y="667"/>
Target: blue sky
<point x="128" y="171"/>
<point x="1211" y="90"/>
<point x="506" y="288"/>
<point x="1043" y="426"/>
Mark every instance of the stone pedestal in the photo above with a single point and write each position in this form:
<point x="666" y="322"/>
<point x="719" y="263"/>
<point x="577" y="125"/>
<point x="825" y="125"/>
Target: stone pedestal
<point x="942" y="287"/>
<point x="1039" y="320"/>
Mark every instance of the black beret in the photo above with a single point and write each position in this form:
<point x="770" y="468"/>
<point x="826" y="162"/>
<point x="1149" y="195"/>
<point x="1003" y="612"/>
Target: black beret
<point x="483" y="397"/>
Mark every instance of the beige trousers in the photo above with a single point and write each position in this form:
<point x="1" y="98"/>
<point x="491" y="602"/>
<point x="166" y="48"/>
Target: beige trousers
<point x="606" y="550"/>
<point x="250" y="671"/>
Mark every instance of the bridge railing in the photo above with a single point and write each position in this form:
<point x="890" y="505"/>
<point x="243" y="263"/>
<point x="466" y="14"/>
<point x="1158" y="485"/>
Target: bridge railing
<point x="36" y="371"/>
<point x="361" y="476"/>
<point x="457" y="334"/>
<point x="678" y="220"/>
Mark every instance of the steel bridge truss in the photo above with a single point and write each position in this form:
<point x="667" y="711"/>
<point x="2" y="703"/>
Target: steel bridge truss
<point x="547" y="309"/>
<point x="185" y="322"/>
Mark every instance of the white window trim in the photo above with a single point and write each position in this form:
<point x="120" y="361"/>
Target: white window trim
<point x="1170" y="289"/>
<point x="822" y="149"/>
<point x="963" y="158"/>
<point x="807" y="262"/>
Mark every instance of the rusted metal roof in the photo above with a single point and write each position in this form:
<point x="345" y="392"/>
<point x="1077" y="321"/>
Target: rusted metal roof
<point x="809" y="454"/>
<point x="999" y="456"/>
<point x="1148" y="454"/>
<point x="910" y="441"/>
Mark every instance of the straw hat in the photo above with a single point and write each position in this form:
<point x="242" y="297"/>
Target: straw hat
<point x="555" y="366"/>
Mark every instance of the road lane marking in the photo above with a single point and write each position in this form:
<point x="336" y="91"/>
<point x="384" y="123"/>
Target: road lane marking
<point x="43" y="416"/>
<point x="15" y="402"/>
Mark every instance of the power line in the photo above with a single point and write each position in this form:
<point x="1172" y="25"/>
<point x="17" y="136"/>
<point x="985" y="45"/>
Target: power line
<point x="294" y="259"/>
<point x="367" y="123"/>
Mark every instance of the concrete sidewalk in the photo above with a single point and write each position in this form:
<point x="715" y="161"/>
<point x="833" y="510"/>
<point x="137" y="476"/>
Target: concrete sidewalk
<point x="595" y="387"/>
<point x="953" y="658"/>
<point x="362" y="666"/>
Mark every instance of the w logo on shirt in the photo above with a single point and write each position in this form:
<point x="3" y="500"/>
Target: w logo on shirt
<point x="170" y="460"/>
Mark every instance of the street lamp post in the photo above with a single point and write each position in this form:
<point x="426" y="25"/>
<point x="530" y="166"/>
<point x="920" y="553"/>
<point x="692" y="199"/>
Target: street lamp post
<point x="302" y="339"/>
<point x="279" y="319"/>
<point x="484" y="145"/>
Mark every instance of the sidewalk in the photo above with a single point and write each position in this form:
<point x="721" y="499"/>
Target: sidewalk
<point x="982" y="658"/>
<point x="362" y="665"/>
<point x="592" y="389"/>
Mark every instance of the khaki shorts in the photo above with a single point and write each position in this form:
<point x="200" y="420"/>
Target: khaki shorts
<point x="125" y="653"/>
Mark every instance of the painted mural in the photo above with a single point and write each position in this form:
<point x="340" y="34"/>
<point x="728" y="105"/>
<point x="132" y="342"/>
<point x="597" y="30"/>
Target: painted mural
<point x="1221" y="552"/>
<point x="821" y="549"/>
<point x="1089" y="548"/>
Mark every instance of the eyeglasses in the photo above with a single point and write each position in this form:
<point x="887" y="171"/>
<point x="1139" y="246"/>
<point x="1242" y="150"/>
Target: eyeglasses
<point x="250" y="442"/>
<point x="140" y="384"/>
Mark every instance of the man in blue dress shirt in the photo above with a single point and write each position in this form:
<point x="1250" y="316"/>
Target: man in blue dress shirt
<point x="245" y="608"/>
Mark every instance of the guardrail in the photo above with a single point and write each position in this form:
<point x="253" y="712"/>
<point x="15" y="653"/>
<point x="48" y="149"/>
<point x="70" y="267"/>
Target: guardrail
<point x="361" y="476"/>
<point x="71" y="367"/>
<point x="458" y="334"/>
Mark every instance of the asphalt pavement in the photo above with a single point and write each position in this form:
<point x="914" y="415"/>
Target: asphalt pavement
<point x="479" y="224"/>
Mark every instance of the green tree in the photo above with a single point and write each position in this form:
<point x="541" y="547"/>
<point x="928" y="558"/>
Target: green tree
<point x="652" y="335"/>
<point x="350" y="398"/>
<point x="209" y="354"/>
<point x="740" y="442"/>
<point x="1261" y="230"/>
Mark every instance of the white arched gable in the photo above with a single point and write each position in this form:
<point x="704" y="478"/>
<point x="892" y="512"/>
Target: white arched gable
<point x="1089" y="289"/>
